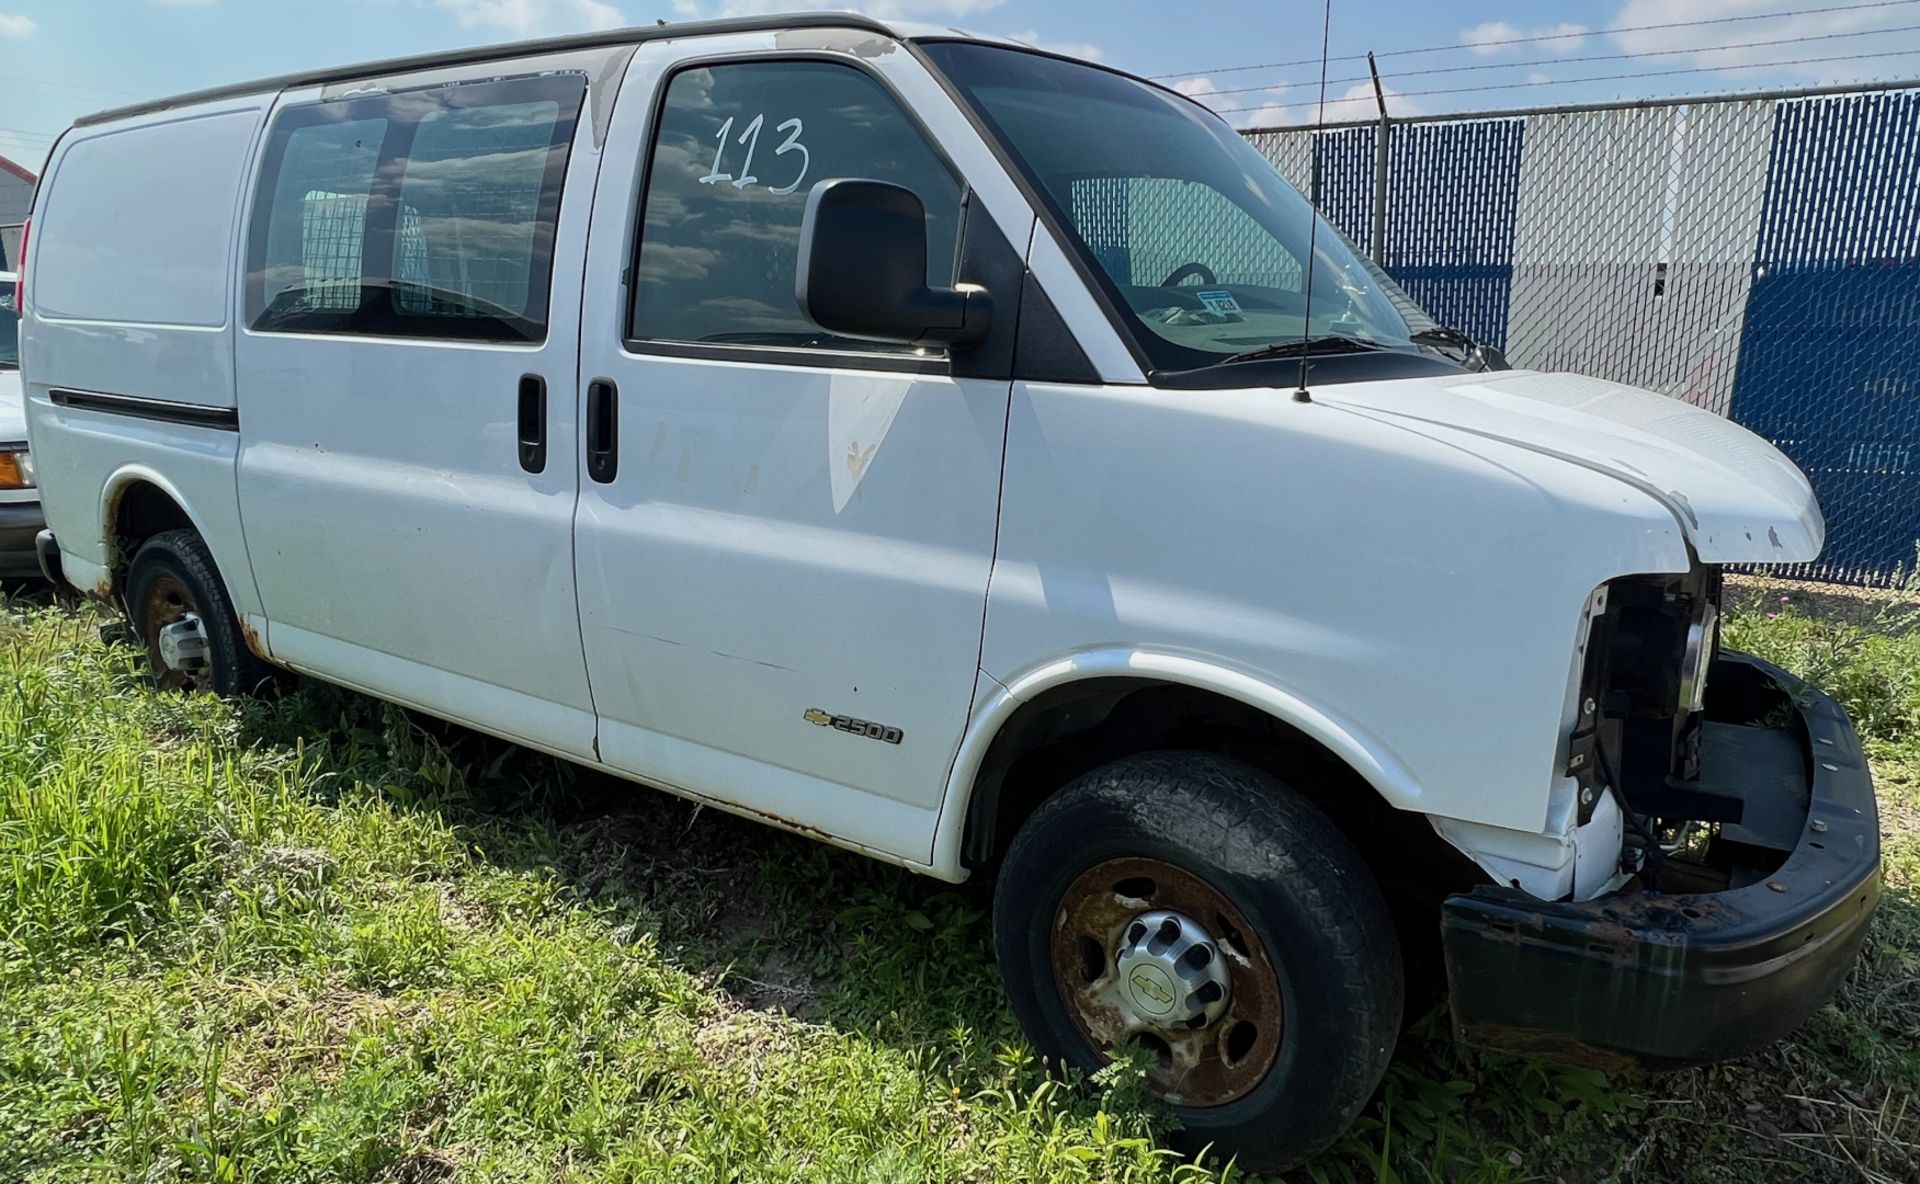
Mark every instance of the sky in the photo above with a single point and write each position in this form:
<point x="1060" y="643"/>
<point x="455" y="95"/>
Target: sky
<point x="1255" y="61"/>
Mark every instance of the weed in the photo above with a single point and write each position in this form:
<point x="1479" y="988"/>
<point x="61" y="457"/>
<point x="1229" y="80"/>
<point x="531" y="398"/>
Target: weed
<point x="323" y="939"/>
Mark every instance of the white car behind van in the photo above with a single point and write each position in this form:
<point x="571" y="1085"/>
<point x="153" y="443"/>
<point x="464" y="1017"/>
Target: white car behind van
<point x="983" y="460"/>
<point x="20" y="520"/>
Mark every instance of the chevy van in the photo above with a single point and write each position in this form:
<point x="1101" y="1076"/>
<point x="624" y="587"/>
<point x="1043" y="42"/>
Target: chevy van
<point x="982" y="460"/>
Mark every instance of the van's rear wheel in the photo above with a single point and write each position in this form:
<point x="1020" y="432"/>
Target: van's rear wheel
<point x="1199" y="909"/>
<point x="182" y="617"/>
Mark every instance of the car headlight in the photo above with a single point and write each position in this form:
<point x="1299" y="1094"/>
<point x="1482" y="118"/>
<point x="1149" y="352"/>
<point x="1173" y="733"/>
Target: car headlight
<point x="16" y="469"/>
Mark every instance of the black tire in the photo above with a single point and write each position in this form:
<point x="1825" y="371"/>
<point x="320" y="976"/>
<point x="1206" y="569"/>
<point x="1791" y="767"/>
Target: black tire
<point x="177" y="561"/>
<point x="1287" y="869"/>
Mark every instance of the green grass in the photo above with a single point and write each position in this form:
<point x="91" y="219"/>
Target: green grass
<point x="321" y="939"/>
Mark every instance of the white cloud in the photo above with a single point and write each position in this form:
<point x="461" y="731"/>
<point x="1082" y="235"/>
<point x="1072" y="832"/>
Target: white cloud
<point x="1713" y="44"/>
<point x="533" y="18"/>
<point x="1487" y="38"/>
<point x="1280" y="106"/>
<point x="1245" y="109"/>
<point x="1072" y="49"/>
<point x="15" y="26"/>
<point x="1357" y="102"/>
<point x="886" y="10"/>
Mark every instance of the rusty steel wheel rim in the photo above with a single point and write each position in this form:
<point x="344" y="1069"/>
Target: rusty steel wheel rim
<point x="167" y="601"/>
<point x="1213" y="1065"/>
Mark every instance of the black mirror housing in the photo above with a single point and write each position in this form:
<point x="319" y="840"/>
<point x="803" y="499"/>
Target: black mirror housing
<point x="863" y="269"/>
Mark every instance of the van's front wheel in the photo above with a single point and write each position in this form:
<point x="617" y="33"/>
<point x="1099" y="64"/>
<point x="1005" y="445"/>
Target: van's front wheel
<point x="182" y="617"/>
<point x="1200" y="910"/>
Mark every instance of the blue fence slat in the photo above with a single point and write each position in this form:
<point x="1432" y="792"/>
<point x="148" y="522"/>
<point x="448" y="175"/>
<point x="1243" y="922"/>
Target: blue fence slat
<point x="1832" y="329"/>
<point x="1453" y="191"/>
<point x="1343" y="163"/>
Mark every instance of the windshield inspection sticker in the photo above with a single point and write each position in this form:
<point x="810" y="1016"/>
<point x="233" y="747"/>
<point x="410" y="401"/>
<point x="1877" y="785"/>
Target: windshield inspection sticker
<point x="1221" y="302"/>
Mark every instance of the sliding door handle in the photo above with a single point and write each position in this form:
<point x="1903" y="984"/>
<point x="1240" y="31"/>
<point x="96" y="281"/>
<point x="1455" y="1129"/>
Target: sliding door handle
<point x="603" y="430"/>
<point x="533" y="423"/>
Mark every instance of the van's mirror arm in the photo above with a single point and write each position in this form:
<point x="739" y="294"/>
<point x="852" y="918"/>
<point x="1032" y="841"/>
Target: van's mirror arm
<point x="863" y="269"/>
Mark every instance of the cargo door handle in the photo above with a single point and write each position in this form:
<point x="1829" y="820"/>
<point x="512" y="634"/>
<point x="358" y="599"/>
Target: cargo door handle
<point x="603" y="430"/>
<point x="533" y="423"/>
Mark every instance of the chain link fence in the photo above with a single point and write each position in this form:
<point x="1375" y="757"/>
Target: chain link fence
<point x="1756" y="255"/>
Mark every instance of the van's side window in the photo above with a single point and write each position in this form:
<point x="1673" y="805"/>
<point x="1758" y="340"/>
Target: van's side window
<point x="314" y="250"/>
<point x="738" y="149"/>
<point x="425" y="213"/>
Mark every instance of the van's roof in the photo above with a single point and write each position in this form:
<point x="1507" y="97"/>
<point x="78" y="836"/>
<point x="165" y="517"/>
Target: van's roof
<point x="543" y="45"/>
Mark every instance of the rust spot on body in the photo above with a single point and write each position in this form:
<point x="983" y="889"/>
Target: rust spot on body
<point x="251" y="636"/>
<point x="794" y="825"/>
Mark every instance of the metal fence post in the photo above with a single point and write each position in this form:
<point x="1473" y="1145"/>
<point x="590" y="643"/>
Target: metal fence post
<point x="1381" y="144"/>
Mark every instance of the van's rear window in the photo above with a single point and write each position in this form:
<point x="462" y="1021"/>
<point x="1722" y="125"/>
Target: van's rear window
<point x="425" y="213"/>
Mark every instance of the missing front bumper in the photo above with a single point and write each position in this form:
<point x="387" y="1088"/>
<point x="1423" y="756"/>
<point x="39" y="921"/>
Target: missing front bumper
<point x="1670" y="979"/>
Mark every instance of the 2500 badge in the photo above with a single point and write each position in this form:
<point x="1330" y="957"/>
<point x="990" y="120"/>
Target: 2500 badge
<point x="856" y="727"/>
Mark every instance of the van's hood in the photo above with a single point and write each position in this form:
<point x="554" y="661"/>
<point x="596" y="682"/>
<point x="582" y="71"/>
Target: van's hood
<point x="13" y="408"/>
<point x="1736" y="497"/>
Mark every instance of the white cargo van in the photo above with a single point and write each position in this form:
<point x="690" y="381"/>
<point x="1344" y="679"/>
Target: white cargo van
<point x="979" y="459"/>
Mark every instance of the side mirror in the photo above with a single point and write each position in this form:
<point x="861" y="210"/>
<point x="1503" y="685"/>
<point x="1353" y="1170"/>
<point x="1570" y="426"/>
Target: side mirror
<point x="863" y="269"/>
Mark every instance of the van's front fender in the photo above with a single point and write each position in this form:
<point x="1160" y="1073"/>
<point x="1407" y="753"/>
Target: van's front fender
<point x="998" y="702"/>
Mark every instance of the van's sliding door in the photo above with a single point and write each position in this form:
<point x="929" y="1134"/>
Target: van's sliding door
<point x="407" y="375"/>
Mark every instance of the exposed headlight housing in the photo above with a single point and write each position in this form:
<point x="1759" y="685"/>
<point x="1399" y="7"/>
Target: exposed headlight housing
<point x="1643" y="683"/>
<point x="1696" y="657"/>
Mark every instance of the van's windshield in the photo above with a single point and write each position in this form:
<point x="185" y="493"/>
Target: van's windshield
<point x="1196" y="236"/>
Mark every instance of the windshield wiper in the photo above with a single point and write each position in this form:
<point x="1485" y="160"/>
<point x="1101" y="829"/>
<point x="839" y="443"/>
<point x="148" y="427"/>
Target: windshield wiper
<point x="1303" y="347"/>
<point x="1444" y="335"/>
<point x="1461" y="348"/>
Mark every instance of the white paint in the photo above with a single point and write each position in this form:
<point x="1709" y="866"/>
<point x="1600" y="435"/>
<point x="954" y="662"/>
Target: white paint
<point x="750" y="136"/>
<point x="1737" y="497"/>
<point x="1567" y="860"/>
<point x="160" y="258"/>
<point x="1400" y="569"/>
<point x="860" y="411"/>
<point x="793" y="128"/>
<point x="714" y="175"/>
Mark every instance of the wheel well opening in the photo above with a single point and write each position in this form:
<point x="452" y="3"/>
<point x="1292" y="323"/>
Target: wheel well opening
<point x="139" y="511"/>
<point x="1075" y="729"/>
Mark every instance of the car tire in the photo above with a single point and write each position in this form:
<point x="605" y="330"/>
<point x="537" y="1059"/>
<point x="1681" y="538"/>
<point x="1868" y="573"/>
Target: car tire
<point x="1197" y="832"/>
<point x="172" y="577"/>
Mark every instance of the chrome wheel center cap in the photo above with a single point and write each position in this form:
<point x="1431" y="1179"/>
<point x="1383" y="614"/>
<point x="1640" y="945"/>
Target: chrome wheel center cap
<point x="183" y="644"/>
<point x="1170" y="972"/>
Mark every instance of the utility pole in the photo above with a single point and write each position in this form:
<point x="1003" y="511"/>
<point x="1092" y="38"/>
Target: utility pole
<point x="1379" y="167"/>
